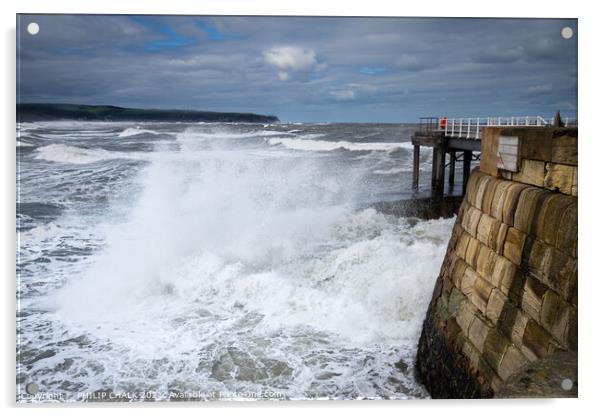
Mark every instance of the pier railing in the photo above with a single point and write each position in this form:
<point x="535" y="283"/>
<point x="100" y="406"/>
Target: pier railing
<point x="471" y="128"/>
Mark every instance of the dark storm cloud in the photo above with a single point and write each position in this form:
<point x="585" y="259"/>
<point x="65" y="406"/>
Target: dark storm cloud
<point x="348" y="69"/>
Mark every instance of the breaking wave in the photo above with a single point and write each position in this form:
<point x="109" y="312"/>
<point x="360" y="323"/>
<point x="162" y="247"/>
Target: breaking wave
<point x="325" y="146"/>
<point x="63" y="153"/>
<point x="134" y="131"/>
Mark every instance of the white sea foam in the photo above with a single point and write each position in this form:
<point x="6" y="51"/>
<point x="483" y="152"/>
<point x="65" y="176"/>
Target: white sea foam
<point x="63" y="153"/>
<point x="392" y="171"/>
<point x="307" y="143"/>
<point x="23" y="144"/>
<point x="134" y="131"/>
<point x="224" y="134"/>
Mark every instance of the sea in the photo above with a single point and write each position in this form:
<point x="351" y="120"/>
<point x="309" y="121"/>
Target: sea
<point x="191" y="261"/>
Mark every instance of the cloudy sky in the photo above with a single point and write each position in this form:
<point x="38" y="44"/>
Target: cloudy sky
<point x="303" y="68"/>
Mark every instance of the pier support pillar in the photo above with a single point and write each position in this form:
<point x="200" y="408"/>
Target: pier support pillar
<point x="452" y="168"/>
<point x="439" y="165"/>
<point x="466" y="169"/>
<point x="434" y="169"/>
<point x="416" y="167"/>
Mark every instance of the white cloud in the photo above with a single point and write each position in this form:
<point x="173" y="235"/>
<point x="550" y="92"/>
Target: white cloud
<point x="343" y="95"/>
<point x="283" y="76"/>
<point x="410" y="62"/>
<point x="290" y="59"/>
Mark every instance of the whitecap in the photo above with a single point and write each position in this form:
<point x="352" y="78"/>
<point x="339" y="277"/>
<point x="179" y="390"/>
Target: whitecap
<point x="134" y="131"/>
<point x="308" y="144"/>
<point x="62" y="153"/>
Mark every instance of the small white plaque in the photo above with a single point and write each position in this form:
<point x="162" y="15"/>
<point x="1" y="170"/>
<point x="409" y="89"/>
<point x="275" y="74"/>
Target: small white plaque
<point x="507" y="153"/>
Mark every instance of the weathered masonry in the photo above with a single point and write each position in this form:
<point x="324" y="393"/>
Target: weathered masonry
<point x="503" y="317"/>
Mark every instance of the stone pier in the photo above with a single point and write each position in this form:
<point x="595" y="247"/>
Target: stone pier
<point x="504" y="307"/>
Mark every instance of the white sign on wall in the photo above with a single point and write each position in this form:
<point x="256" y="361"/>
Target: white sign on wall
<point x="507" y="153"/>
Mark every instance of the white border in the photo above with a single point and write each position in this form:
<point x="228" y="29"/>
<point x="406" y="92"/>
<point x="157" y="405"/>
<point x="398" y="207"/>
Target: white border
<point x="589" y="216"/>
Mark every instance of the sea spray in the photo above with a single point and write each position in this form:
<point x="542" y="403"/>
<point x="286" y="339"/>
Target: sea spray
<point x="234" y="266"/>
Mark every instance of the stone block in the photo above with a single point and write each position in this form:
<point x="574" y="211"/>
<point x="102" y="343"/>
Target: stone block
<point x="462" y="244"/>
<point x="555" y="317"/>
<point x="472" y="252"/>
<point x="515" y="289"/>
<point x="482" y="187"/>
<point x="562" y="273"/>
<point x="500" y="238"/>
<point x="455" y="300"/>
<point x="463" y="208"/>
<point x="510" y="202"/>
<point x="564" y="150"/>
<point x="574" y="188"/>
<point x="512" y="322"/>
<point x="473" y="186"/>
<point x="559" y="178"/>
<point x="468" y="281"/>
<point x="539" y="258"/>
<point x="470" y="221"/>
<point x="532" y="298"/>
<point x="488" y="196"/>
<point x="477" y="333"/>
<point x="494" y="348"/>
<point x="518" y="328"/>
<point x="526" y="207"/>
<point x="552" y="213"/>
<point x="512" y="361"/>
<point x="532" y="172"/>
<point x="466" y="314"/>
<point x="536" y="339"/>
<point x="495" y="306"/>
<point x="485" y="262"/>
<point x="457" y="274"/>
<point x="535" y="144"/>
<point x="504" y="271"/>
<point x="497" y="202"/>
<point x="513" y="246"/>
<point x="566" y="237"/>
<point x="487" y="230"/>
<point x="480" y="294"/>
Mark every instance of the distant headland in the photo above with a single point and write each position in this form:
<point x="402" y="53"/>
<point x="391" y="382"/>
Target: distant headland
<point x="49" y="112"/>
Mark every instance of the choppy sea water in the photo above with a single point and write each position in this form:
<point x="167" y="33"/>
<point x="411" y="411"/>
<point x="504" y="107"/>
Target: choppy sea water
<point x="169" y="261"/>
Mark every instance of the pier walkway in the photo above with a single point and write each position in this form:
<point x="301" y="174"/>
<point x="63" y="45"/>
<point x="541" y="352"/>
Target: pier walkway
<point x="459" y="140"/>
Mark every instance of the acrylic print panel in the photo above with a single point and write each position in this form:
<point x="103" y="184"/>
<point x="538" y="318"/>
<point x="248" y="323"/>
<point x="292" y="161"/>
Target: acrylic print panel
<point x="263" y="208"/>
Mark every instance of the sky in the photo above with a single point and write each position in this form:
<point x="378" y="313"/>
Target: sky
<point x="303" y="69"/>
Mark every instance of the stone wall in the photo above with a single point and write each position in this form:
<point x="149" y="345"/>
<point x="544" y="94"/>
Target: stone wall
<point x="506" y="295"/>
